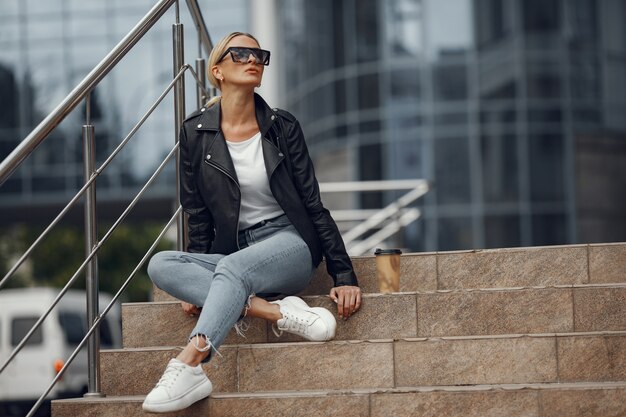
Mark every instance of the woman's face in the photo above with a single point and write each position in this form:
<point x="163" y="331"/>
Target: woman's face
<point x="242" y="74"/>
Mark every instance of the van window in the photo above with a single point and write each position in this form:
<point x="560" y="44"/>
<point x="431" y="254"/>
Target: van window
<point x="75" y="328"/>
<point x="73" y="325"/>
<point x="20" y="326"/>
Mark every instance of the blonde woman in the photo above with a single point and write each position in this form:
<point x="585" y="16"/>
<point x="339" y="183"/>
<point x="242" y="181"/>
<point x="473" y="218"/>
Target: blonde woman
<point x="257" y="226"/>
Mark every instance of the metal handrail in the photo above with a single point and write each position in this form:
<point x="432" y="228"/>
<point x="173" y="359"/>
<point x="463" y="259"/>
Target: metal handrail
<point x="41" y="132"/>
<point x="417" y="188"/>
<point x="28" y="145"/>
<point x="198" y="20"/>
<point x="82" y="266"/>
<point x="96" y="323"/>
<point x="88" y="183"/>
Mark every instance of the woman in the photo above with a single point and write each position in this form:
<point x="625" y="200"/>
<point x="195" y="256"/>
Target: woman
<point x="257" y="226"/>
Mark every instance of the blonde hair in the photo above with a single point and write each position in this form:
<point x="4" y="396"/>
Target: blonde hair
<point x="216" y="53"/>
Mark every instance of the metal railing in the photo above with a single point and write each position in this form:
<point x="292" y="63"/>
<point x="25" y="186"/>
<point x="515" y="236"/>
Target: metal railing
<point x="395" y="214"/>
<point x="92" y="245"/>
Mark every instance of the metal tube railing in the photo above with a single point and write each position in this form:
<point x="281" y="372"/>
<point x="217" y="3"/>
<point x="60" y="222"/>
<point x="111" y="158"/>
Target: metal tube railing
<point x="91" y="236"/>
<point x="30" y="143"/>
<point x="179" y="114"/>
<point x="94" y="176"/>
<point x="96" y="323"/>
<point x="15" y="158"/>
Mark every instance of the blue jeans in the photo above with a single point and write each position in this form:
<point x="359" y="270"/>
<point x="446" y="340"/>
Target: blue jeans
<point x="273" y="260"/>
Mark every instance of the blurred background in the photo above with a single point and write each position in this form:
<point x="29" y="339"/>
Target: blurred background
<point x="513" y="110"/>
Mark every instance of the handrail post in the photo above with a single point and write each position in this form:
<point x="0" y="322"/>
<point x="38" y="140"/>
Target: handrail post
<point x="91" y="238"/>
<point x="201" y="87"/>
<point x="179" y="116"/>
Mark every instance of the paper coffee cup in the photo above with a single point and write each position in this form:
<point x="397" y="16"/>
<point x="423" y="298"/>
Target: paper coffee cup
<point x="388" y="269"/>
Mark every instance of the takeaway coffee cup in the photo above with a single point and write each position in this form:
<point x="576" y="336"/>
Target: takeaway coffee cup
<point x="388" y="269"/>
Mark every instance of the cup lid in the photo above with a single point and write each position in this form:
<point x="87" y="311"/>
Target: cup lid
<point x="380" y="251"/>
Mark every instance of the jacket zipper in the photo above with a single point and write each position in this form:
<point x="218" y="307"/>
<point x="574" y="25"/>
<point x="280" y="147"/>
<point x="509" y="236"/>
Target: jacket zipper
<point x="237" y="184"/>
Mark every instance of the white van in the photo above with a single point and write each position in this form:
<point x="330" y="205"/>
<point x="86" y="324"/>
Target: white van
<point x="31" y="371"/>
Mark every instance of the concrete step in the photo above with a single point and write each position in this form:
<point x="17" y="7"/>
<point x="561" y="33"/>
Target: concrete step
<point x="583" y="308"/>
<point x="366" y="364"/>
<point x="531" y="400"/>
<point x="492" y="268"/>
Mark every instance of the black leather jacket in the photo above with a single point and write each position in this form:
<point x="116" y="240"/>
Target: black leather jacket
<point x="210" y="193"/>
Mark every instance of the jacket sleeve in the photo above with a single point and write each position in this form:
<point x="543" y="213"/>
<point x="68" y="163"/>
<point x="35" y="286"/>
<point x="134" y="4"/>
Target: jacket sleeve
<point x="200" y="227"/>
<point x="338" y="262"/>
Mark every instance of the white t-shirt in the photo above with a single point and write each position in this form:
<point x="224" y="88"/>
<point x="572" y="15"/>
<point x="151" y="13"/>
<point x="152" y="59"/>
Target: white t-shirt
<point x="257" y="201"/>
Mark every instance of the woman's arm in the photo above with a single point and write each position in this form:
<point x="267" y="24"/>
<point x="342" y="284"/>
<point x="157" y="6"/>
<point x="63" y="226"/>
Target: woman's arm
<point x="338" y="262"/>
<point x="200" y="222"/>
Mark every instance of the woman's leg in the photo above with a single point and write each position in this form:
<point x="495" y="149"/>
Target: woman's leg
<point x="186" y="276"/>
<point x="278" y="264"/>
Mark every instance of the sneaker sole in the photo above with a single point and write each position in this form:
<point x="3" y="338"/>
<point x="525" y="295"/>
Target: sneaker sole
<point x="195" y="394"/>
<point x="325" y="315"/>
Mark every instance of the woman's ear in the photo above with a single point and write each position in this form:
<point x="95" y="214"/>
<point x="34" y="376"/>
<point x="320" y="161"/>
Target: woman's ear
<point x="217" y="73"/>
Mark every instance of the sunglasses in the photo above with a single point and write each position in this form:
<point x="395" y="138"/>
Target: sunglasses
<point x="240" y="55"/>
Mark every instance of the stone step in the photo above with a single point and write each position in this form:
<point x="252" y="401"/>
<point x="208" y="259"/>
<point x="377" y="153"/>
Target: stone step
<point x="490" y="268"/>
<point x="429" y="314"/>
<point x="532" y="400"/>
<point x="366" y="364"/>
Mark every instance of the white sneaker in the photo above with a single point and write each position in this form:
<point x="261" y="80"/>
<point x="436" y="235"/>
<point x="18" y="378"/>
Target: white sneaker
<point x="313" y="323"/>
<point x="180" y="386"/>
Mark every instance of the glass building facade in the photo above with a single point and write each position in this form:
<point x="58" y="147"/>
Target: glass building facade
<point x="487" y="99"/>
<point x="46" y="49"/>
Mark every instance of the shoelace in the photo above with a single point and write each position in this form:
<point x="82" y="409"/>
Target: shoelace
<point x="291" y="324"/>
<point x="172" y="371"/>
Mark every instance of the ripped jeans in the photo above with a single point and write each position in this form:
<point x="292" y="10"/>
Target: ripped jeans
<point x="273" y="260"/>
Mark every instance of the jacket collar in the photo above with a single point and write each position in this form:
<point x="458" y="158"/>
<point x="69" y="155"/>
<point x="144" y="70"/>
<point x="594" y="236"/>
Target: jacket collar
<point x="217" y="148"/>
<point x="265" y="116"/>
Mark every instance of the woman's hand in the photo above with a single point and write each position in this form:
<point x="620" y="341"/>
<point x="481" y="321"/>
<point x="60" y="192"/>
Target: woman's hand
<point x="348" y="299"/>
<point x="190" y="309"/>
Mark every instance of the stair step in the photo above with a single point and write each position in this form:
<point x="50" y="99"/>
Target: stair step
<point x="530" y="400"/>
<point x="393" y="316"/>
<point x="490" y="268"/>
<point x="461" y="360"/>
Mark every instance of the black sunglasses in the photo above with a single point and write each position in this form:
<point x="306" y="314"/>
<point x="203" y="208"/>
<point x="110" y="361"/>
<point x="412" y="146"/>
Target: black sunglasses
<point x="241" y="54"/>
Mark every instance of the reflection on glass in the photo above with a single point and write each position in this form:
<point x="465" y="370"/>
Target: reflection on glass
<point x="404" y="35"/>
<point x="549" y="229"/>
<point x="502" y="231"/>
<point x="450" y="27"/>
<point x="450" y="82"/>
<point x="546" y="173"/>
<point x="500" y="166"/>
<point x="452" y="175"/>
<point x="455" y="233"/>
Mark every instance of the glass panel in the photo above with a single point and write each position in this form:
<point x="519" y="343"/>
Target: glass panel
<point x="368" y="91"/>
<point x="405" y="84"/>
<point x="500" y="168"/>
<point x="404" y="32"/>
<point x="367" y="31"/>
<point x="452" y="175"/>
<point x="449" y="26"/>
<point x="20" y="326"/>
<point x="549" y="229"/>
<point x="544" y="79"/>
<point x="541" y="15"/>
<point x="455" y="233"/>
<point x="502" y="231"/>
<point x="546" y="168"/>
<point x="450" y="82"/>
<point x="494" y="21"/>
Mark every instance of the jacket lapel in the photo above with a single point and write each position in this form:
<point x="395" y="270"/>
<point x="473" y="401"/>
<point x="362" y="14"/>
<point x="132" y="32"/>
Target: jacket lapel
<point x="217" y="153"/>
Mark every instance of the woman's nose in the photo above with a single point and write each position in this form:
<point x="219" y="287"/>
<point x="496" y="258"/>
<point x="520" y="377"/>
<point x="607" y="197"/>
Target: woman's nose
<point x="252" y="57"/>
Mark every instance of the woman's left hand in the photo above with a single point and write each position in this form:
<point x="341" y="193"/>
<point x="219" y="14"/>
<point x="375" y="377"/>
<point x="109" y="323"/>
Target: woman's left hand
<point x="348" y="299"/>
